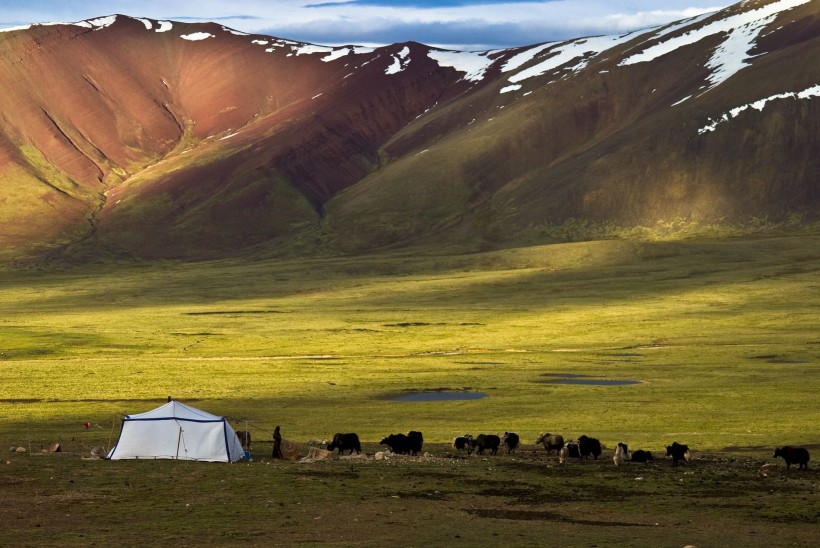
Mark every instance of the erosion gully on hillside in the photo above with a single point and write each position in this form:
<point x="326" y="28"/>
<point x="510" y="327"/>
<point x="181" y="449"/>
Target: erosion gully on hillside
<point x="441" y="498"/>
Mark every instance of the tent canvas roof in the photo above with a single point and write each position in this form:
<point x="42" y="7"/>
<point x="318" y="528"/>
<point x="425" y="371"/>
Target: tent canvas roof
<point x="177" y="431"/>
<point x="176" y="410"/>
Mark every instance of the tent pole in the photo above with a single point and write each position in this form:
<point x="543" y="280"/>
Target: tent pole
<point x="179" y="439"/>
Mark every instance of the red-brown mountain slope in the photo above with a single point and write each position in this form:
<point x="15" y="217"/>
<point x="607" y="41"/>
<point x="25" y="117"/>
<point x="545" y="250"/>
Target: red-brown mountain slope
<point x="168" y="135"/>
<point x="156" y="138"/>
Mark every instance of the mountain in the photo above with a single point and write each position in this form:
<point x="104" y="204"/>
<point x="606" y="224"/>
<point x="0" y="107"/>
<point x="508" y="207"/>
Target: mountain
<point x="125" y="136"/>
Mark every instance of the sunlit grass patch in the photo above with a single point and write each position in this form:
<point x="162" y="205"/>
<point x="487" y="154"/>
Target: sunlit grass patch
<point x="720" y="336"/>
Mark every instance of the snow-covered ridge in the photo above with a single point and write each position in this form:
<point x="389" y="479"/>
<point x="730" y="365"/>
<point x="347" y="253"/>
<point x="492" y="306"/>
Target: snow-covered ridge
<point x="12" y="29"/>
<point x="300" y="48"/>
<point x="99" y="23"/>
<point x="583" y="49"/>
<point x="272" y="44"/>
<point x="474" y="65"/>
<point x="400" y="60"/>
<point x="741" y="30"/>
<point x="759" y="105"/>
<point x="520" y="59"/>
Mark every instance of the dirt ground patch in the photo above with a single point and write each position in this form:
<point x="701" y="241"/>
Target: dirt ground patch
<point x="439" y="499"/>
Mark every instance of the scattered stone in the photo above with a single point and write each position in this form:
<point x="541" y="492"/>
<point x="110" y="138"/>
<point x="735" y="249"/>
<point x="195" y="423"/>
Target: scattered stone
<point x="20" y="450"/>
<point x="55" y="448"/>
<point x="767" y="470"/>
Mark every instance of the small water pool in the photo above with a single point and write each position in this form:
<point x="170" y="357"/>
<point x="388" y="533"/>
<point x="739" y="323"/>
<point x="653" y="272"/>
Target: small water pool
<point x="558" y="378"/>
<point x="594" y="382"/>
<point x="442" y="395"/>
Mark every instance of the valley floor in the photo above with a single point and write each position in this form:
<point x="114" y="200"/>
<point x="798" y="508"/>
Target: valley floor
<point x="441" y="499"/>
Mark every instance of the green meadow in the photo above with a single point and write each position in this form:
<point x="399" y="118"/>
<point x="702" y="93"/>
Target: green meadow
<point x="722" y="337"/>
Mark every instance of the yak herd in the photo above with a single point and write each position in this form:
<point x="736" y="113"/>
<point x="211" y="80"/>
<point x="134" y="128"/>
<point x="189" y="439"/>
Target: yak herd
<point x="581" y="448"/>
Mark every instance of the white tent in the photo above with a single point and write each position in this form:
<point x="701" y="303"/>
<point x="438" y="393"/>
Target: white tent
<point x="177" y="431"/>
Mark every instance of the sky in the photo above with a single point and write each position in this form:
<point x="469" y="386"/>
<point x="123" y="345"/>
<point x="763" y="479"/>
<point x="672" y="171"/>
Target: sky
<point x="454" y="24"/>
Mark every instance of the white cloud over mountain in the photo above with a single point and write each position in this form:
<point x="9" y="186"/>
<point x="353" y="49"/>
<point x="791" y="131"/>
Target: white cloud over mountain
<point x="467" y="24"/>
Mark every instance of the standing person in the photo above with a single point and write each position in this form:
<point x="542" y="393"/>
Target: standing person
<point x="277" y="444"/>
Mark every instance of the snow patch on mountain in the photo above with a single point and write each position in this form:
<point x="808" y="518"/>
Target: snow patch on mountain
<point x="336" y="54"/>
<point x="280" y="44"/>
<point x="400" y="61"/>
<point x="343" y="52"/>
<point x="741" y="30"/>
<point x="99" y="23"/>
<point x="147" y="22"/>
<point x="730" y="57"/>
<point x="759" y="105"/>
<point x="12" y="29"/>
<point x="520" y="59"/>
<point x="474" y="65"/>
<point x="507" y="89"/>
<point x="197" y="36"/>
<point x="235" y="32"/>
<point x="583" y="49"/>
<point x="674" y="27"/>
<point x="164" y="26"/>
<point x="333" y="53"/>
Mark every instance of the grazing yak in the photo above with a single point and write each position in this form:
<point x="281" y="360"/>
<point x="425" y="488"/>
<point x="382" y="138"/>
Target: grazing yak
<point x="398" y="443"/>
<point x="511" y="440"/>
<point x="589" y="446"/>
<point x="569" y="450"/>
<point x="463" y="442"/>
<point x="563" y="454"/>
<point x="550" y="441"/>
<point x="401" y="444"/>
<point x="345" y="442"/>
<point x="641" y="456"/>
<point x="487" y="441"/>
<point x="573" y="450"/>
<point x="793" y="455"/>
<point x="678" y="452"/>
<point x="415" y="439"/>
<point x="621" y="454"/>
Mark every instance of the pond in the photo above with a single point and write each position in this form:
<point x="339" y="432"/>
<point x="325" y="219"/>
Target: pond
<point x="585" y="380"/>
<point x="442" y="395"/>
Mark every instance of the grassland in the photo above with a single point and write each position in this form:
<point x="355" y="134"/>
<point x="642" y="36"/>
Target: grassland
<point x="724" y="337"/>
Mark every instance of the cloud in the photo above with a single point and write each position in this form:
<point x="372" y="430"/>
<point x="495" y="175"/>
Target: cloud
<point x="216" y="19"/>
<point x="428" y="4"/>
<point x="477" y="28"/>
<point x="465" y="34"/>
<point x="468" y="24"/>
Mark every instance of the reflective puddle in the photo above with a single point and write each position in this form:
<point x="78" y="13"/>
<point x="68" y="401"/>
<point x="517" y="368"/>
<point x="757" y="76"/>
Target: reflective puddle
<point x="584" y="380"/>
<point x="438" y="396"/>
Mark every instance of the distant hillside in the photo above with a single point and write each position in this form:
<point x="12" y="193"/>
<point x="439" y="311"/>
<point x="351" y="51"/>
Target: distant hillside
<point x="140" y="138"/>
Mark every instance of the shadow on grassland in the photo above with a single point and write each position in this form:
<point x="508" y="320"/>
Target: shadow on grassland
<point x="611" y="270"/>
